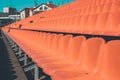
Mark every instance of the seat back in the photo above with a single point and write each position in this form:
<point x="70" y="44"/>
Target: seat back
<point x="50" y="41"/>
<point x="63" y="45"/>
<point x="89" y="53"/>
<point x="44" y="38"/>
<point x="110" y="67"/>
<point x="55" y="42"/>
<point x="74" y="48"/>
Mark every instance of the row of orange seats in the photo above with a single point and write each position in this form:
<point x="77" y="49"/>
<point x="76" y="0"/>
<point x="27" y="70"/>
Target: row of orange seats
<point x="63" y="13"/>
<point x="67" y="8"/>
<point x="99" y="19"/>
<point x="65" y="57"/>
<point x="97" y="2"/>
<point x="106" y="24"/>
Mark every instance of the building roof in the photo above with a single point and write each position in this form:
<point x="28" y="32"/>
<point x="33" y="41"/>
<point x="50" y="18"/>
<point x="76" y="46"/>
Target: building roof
<point x="26" y="9"/>
<point x="49" y="4"/>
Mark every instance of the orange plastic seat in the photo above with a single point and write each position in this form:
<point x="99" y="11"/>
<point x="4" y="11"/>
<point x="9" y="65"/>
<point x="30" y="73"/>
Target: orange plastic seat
<point x="85" y="62"/>
<point x="100" y="24"/>
<point x="75" y="21"/>
<point x="108" y="64"/>
<point x="35" y="47"/>
<point x="58" y="54"/>
<point x="82" y="25"/>
<point x="47" y="48"/>
<point x="113" y="21"/>
<point x="91" y="21"/>
<point x="49" y="52"/>
<point x="71" y="55"/>
<point x="69" y="24"/>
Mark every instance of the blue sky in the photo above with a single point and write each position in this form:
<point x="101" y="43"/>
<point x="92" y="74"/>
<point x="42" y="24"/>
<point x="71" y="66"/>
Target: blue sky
<point x="20" y="4"/>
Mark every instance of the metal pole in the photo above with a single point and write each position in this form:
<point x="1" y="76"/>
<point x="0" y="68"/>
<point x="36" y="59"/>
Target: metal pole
<point x="25" y="59"/>
<point x="36" y="73"/>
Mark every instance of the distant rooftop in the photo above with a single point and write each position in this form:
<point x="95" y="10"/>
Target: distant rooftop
<point x="49" y="4"/>
<point x="27" y="8"/>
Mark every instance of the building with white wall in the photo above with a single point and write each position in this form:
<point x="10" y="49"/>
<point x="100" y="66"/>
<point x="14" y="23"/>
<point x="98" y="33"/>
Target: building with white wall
<point x="8" y="15"/>
<point x="44" y="7"/>
<point x="26" y="12"/>
<point x="9" y="10"/>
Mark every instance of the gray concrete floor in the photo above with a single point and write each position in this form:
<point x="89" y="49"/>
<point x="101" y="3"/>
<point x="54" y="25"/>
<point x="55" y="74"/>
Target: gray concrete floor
<point x="9" y="66"/>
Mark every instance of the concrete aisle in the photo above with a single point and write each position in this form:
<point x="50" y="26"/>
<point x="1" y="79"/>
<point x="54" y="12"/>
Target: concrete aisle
<point x="9" y="67"/>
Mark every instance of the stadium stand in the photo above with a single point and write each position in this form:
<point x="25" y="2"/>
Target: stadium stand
<point x="56" y="40"/>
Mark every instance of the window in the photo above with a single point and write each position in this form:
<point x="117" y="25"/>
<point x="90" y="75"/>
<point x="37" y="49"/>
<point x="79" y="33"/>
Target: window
<point x="41" y="8"/>
<point x="45" y="8"/>
<point x="23" y="15"/>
